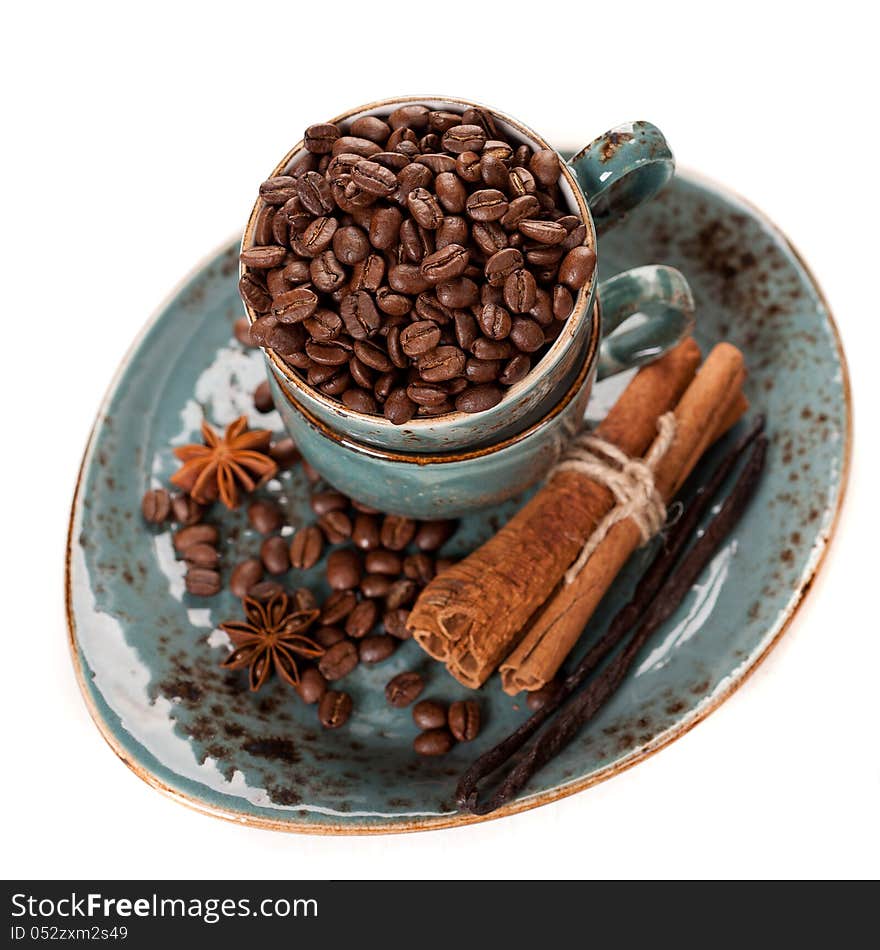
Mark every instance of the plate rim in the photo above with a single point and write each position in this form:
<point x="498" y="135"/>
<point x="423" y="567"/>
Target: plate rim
<point x="458" y="819"/>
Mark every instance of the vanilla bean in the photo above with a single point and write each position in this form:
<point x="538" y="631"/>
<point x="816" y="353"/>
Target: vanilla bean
<point x="665" y="596"/>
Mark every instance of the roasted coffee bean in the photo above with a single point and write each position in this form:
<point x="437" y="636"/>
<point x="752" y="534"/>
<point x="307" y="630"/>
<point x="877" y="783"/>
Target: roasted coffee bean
<point x="359" y="400"/>
<point x="544" y="232"/>
<point x="399" y="408"/>
<point x="542" y="312"/>
<point x="424" y="208"/>
<point x="241" y="330"/>
<point x="326" y="272"/>
<point x="263" y="401"/>
<point x="337" y="383"/>
<point x="463" y="138"/>
<point x="339" y="660"/>
<point x="275" y="191"/>
<point x="487" y="204"/>
<point x="426" y="394"/>
<point x="519" y="291"/>
<point x="385" y="228"/>
<point x="429" y="714"/>
<point x="482" y="371"/>
<point x="395" y="623"/>
<point x="360" y="315"/>
<point x="312" y="686"/>
<point x="485" y="349"/>
<point x="577" y="267"/>
<point x="451" y="193"/>
<point x="526" y="206"/>
<point x="501" y="265"/>
<point x="263" y="257"/>
<point x="544" y="256"/>
<point x="419" y="568"/>
<point x="361" y="374"/>
<point x="458" y="293"/>
<point x="563" y="302"/>
<point x="338" y="606"/>
<point x="544" y="165"/>
<point x="186" y="511"/>
<point x="539" y="698"/>
<point x="441" y="363"/>
<point x="371" y="127"/>
<point x="432" y="535"/>
<point x="383" y="561"/>
<point x="494" y="321"/>
<point x="263" y="235"/>
<point x="201" y="555"/>
<point x="264" y="591"/>
<point x="313" y="192"/>
<point x="254" y="293"/>
<point x="465" y="329"/>
<point x="274" y="555"/>
<point x="515" y="369"/>
<point x="433" y="742"/>
<point x="365" y="532"/>
<point x="419" y="338"/>
<point x="437" y="162"/>
<point x="383" y="386"/>
<point x="265" y="516"/>
<point x="320" y="138"/>
<point x="479" y="398"/>
<point x="407" y="279"/>
<point x="323" y="501"/>
<point x="490" y="237"/>
<point x="446" y="264"/>
<point x="376" y="648"/>
<point x="493" y="171"/>
<point x="336" y="526"/>
<point x="521" y="182"/>
<point x="401" y="593"/>
<point x="410" y="117"/>
<point x="361" y="620"/>
<point x="404" y="689"/>
<point x="334" y="709"/>
<point x="453" y="230"/>
<point x="317" y="237"/>
<point x="355" y="145"/>
<point x="325" y="326"/>
<point x="202" y="582"/>
<point x="245" y="575"/>
<point x="526" y="335"/>
<point x="156" y="506"/>
<point x="375" y="585"/>
<point x="326" y="636"/>
<point x="284" y="453"/>
<point x="412" y="241"/>
<point x="464" y="720"/>
<point x="397" y="532"/>
<point x="395" y="305"/>
<point x="306" y="547"/>
<point x="344" y="568"/>
<point x="197" y="534"/>
<point x="374" y="178"/>
<point x="428" y="307"/>
<point x="350" y="245"/>
<point x="575" y="238"/>
<point x="372" y="356"/>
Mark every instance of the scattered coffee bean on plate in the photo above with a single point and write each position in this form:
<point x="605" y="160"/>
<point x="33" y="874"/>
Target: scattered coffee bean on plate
<point x="156" y="506"/>
<point x="312" y="686"/>
<point x="376" y="648"/>
<point x="334" y="709"/>
<point x="409" y="269"/>
<point x="464" y="719"/>
<point x="339" y="660"/>
<point x="275" y="555"/>
<point x="263" y="401"/>
<point x="195" y="534"/>
<point x="245" y="576"/>
<point x="202" y="582"/>
<point x="404" y="689"/>
<point x="306" y="547"/>
<point x="265" y="516"/>
<point x="433" y="742"/>
<point x="429" y="714"/>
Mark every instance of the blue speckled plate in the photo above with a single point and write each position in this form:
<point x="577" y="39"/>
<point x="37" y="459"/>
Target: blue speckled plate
<point x="147" y="655"/>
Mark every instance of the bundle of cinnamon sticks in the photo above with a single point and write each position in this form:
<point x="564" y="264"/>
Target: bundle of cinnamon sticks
<point x="507" y="605"/>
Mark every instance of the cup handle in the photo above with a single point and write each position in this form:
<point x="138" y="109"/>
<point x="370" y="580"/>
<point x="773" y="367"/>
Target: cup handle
<point x="658" y="292"/>
<point x="621" y="169"/>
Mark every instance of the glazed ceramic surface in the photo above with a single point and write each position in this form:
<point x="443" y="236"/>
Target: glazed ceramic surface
<point x="147" y="655"/>
<point x="617" y="171"/>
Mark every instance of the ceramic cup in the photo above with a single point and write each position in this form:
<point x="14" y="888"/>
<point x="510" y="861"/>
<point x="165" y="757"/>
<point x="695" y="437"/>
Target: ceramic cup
<point x="613" y="174"/>
<point x="442" y="485"/>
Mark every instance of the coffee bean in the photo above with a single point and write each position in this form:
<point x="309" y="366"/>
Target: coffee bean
<point x="397" y="532"/>
<point x="196" y="534"/>
<point x="487" y="204"/>
<point x="441" y="363"/>
<point x="407" y="279"/>
<point x="320" y="138"/>
<point x="375" y="585"/>
<point x="336" y="526"/>
<point x="399" y="408"/>
<point x="264" y="591"/>
<point x="577" y="267"/>
<point x="517" y="368"/>
<point x="521" y="182"/>
<point x="401" y="593"/>
<point x="274" y="555"/>
<point x="429" y="714"/>
<point x="265" y="516"/>
<point x="433" y="742"/>
<point x="306" y="547"/>
<point x="544" y="232"/>
<point x="326" y="272"/>
<point x="426" y="394"/>
<point x="375" y="649"/>
<point x="362" y="619"/>
<point x="312" y="686"/>
<point x="275" y="191"/>
<point x="493" y="171"/>
<point x="385" y="228"/>
<point x="263" y="401"/>
<point x="404" y="689"/>
<point x="464" y="720"/>
<point x="479" y="398"/>
<point x="323" y="501"/>
<point x="453" y="230"/>
<point x="419" y="338"/>
<point x="344" y="569"/>
<point x="371" y="127"/>
<point x="395" y="623"/>
<point x="254" y="293"/>
<point x="326" y="636"/>
<point x="245" y="575"/>
<point x="383" y="561"/>
<point x="519" y="291"/>
<point x="538" y="699"/>
<point x="202" y="582"/>
<point x="334" y="709"/>
<point x="482" y="371"/>
<point x="485" y="349"/>
<point x="544" y="165"/>
<point x="185" y="511"/>
<point x="241" y="329"/>
<point x="451" y="193"/>
<point x="446" y="264"/>
<point x="263" y="257"/>
<point x="409" y="116"/>
<point x="419" y="568"/>
<point x="202" y="555"/>
<point x="424" y="208"/>
<point x="156" y="506"/>
<point x="463" y="138"/>
<point x="526" y="335"/>
<point x="395" y="305"/>
<point x="494" y="321"/>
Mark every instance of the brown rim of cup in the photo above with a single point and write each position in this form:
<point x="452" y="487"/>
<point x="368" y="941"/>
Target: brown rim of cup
<point x="546" y="362"/>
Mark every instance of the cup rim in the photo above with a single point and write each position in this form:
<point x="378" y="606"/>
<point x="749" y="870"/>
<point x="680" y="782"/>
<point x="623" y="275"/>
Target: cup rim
<point x="547" y="362"/>
<point x="424" y="459"/>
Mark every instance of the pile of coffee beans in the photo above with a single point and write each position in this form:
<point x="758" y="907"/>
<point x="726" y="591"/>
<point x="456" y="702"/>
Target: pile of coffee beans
<point x="415" y="264"/>
<point x="441" y="725"/>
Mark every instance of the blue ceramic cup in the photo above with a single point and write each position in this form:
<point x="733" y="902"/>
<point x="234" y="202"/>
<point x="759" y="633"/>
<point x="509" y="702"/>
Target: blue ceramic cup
<point x="603" y="182"/>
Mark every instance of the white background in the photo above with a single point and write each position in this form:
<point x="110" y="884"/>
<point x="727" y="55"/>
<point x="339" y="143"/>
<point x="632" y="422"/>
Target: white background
<point x="135" y="138"/>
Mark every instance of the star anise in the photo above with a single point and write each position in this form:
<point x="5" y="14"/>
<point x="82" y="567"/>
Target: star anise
<point x="270" y="636"/>
<point x="224" y="464"/>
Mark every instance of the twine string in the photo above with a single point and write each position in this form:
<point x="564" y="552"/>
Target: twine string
<point x="630" y="481"/>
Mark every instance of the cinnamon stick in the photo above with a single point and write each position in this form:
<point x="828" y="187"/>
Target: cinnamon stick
<point x="702" y="415"/>
<point x="474" y="613"/>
